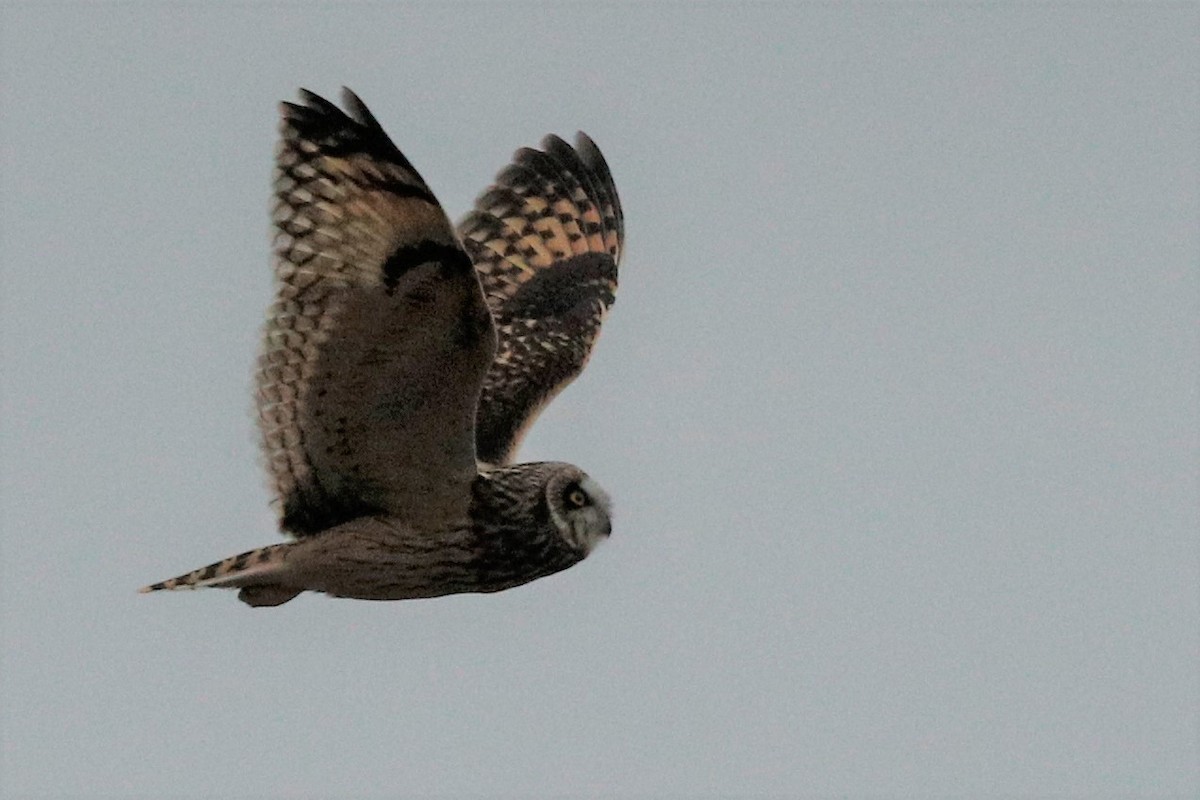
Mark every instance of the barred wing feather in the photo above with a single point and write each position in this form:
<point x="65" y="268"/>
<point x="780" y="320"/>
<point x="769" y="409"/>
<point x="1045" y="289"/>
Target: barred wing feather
<point x="379" y="339"/>
<point x="546" y="240"/>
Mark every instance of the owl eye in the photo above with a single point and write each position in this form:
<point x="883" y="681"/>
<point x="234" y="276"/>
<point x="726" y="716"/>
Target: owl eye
<point x="575" y="497"/>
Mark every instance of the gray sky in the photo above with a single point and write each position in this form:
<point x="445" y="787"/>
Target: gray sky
<point x="897" y="404"/>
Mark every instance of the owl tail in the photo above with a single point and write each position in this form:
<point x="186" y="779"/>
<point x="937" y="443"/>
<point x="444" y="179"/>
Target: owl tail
<point x="252" y="572"/>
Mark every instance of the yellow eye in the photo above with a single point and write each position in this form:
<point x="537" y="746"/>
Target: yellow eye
<point x="575" y="497"/>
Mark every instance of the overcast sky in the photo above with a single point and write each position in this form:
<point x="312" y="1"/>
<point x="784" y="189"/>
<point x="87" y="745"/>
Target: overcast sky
<point x="898" y="407"/>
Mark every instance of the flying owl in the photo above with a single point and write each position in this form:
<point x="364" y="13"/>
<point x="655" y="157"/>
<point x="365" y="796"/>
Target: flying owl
<point x="403" y="361"/>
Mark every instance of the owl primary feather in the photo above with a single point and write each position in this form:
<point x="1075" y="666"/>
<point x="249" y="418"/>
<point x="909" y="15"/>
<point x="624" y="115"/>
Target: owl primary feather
<point x="404" y="359"/>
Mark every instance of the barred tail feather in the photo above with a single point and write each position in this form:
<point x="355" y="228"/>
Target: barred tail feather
<point x="245" y="569"/>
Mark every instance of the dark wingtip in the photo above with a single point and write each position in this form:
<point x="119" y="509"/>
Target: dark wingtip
<point x="358" y="110"/>
<point x="551" y="141"/>
<point x="587" y="149"/>
<point x="595" y="160"/>
<point x="315" y="102"/>
<point x="312" y="108"/>
<point x="320" y="120"/>
<point x="582" y="141"/>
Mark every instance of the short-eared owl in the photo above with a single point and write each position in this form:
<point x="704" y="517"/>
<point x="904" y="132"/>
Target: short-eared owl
<point x="404" y="360"/>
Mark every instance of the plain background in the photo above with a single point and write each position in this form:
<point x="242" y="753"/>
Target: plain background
<point x="898" y="406"/>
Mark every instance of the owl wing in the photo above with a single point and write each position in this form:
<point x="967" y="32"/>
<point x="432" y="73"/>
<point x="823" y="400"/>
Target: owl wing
<point x="546" y="239"/>
<point x="377" y="344"/>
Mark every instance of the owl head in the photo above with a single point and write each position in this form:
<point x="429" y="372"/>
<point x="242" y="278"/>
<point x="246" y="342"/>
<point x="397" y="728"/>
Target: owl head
<point x="579" y="508"/>
<point x="538" y="517"/>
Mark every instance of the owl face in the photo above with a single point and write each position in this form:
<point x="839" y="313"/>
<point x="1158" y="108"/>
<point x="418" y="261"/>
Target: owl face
<point x="579" y="508"/>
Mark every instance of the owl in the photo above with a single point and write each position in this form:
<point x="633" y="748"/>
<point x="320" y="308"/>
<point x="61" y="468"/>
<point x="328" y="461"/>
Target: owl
<point x="404" y="359"/>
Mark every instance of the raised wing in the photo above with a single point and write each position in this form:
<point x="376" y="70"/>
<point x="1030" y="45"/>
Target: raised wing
<point x="379" y="338"/>
<point x="546" y="239"/>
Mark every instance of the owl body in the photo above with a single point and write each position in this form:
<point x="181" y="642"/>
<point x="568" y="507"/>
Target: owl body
<point x="524" y="522"/>
<point x="404" y="358"/>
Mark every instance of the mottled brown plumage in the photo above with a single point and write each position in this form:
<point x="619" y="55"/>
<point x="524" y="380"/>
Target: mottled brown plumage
<point x="545" y="239"/>
<point x="388" y="372"/>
